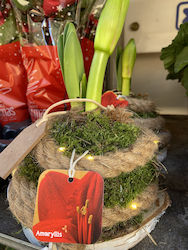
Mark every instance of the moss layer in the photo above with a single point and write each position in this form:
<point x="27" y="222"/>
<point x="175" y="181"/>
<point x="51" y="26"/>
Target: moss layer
<point x="117" y="191"/>
<point x="96" y="133"/>
<point x="146" y="115"/>
<point x="124" y="188"/>
<point x="30" y="169"/>
<point x="121" y="228"/>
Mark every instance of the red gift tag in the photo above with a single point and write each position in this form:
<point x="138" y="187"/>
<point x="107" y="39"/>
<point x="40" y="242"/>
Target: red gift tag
<point x="68" y="209"/>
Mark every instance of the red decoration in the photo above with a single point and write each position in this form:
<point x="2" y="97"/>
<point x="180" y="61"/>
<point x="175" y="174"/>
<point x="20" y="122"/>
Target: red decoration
<point x="110" y="98"/>
<point x="13" y="83"/>
<point x="71" y="209"/>
<point x="45" y="81"/>
<point x="88" y="51"/>
<point x="5" y="9"/>
<point x="50" y="6"/>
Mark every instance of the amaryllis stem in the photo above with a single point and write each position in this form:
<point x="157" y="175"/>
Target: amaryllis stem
<point x="126" y="82"/>
<point x="96" y="78"/>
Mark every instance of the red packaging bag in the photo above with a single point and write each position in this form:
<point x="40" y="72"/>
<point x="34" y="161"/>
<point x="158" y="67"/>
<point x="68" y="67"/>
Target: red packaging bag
<point x="13" y="83"/>
<point x="45" y="81"/>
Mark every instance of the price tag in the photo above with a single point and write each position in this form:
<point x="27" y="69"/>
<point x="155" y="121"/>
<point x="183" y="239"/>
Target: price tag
<point x="69" y="209"/>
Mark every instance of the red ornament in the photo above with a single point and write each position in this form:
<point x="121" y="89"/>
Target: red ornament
<point x="110" y="98"/>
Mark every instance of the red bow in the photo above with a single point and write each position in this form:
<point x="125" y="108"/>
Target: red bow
<point x="51" y="6"/>
<point x="109" y="98"/>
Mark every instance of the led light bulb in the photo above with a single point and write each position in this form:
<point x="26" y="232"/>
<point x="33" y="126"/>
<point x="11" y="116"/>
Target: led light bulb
<point x="90" y="157"/>
<point x="61" y="149"/>
<point x="134" y="206"/>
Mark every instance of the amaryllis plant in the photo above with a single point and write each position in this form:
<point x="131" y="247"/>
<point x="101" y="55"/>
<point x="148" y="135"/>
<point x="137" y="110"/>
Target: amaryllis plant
<point x="108" y="31"/>
<point x="125" y="61"/>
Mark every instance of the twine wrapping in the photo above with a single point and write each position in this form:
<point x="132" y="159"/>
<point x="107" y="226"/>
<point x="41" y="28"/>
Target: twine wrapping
<point x="140" y="105"/>
<point x="108" y="165"/>
<point x="22" y="195"/>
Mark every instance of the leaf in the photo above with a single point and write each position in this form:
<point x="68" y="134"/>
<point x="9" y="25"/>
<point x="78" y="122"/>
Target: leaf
<point x="60" y="49"/>
<point x="119" y="74"/>
<point x="73" y="63"/>
<point x="168" y="56"/>
<point x="185" y="80"/>
<point x="181" y="60"/>
<point x="172" y="56"/>
<point x="119" y="68"/>
<point x="83" y="86"/>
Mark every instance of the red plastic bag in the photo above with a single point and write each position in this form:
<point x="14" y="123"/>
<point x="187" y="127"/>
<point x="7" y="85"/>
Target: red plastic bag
<point x="13" y="83"/>
<point x="45" y="81"/>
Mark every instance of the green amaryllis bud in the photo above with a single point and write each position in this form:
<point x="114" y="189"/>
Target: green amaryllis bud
<point x="71" y="61"/>
<point x="119" y="68"/>
<point x="128" y="61"/>
<point x="108" y="31"/>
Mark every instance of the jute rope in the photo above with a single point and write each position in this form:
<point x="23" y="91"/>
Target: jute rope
<point x="140" y="105"/>
<point x="22" y="195"/>
<point x="108" y="165"/>
<point x="150" y="123"/>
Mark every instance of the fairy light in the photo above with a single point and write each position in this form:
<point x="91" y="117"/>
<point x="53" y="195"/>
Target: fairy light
<point x="61" y="149"/>
<point x="134" y="206"/>
<point x="156" y="142"/>
<point x="90" y="157"/>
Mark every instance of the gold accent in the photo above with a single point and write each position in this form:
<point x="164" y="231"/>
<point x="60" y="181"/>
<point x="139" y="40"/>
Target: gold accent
<point x="65" y="228"/>
<point x="90" y="219"/>
<point x="84" y="208"/>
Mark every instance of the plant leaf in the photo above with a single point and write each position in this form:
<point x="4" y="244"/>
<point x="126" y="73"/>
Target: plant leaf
<point x="181" y="60"/>
<point x="60" y="49"/>
<point x="119" y="73"/>
<point x="83" y="86"/>
<point x="72" y="62"/>
<point x="184" y="80"/>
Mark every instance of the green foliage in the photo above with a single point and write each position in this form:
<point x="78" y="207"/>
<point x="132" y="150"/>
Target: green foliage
<point x="71" y="61"/>
<point x="124" y="188"/>
<point x="120" y="190"/>
<point x="146" y="115"/>
<point x="30" y="169"/>
<point x="175" y="57"/>
<point x="109" y="233"/>
<point x="2" y="247"/>
<point x="96" y="133"/>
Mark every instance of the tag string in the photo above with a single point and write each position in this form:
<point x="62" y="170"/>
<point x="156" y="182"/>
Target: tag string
<point x="73" y="163"/>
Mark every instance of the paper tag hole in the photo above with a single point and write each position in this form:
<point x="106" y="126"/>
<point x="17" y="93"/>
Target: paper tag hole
<point x="70" y="179"/>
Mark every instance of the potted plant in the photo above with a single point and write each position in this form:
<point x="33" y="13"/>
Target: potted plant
<point x="119" y="150"/>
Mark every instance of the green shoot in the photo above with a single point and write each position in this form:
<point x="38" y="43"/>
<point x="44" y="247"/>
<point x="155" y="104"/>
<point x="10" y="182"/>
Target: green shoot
<point x="108" y="32"/>
<point x="71" y="61"/>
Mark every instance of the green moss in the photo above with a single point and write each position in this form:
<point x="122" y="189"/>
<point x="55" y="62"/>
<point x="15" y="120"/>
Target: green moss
<point x="96" y="133"/>
<point x="30" y="169"/>
<point x="124" y="188"/>
<point x="121" y="227"/>
<point x="146" y="115"/>
<point x="117" y="191"/>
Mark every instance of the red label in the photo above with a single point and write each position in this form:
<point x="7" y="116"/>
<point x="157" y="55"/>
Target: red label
<point x="69" y="212"/>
